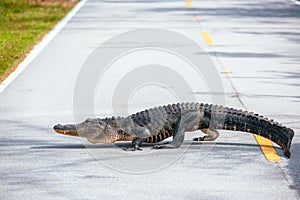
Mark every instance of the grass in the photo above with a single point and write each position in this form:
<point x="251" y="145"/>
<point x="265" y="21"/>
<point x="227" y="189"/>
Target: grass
<point x="22" y="24"/>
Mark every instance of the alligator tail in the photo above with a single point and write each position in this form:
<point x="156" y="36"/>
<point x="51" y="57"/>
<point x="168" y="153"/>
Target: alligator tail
<point x="238" y="120"/>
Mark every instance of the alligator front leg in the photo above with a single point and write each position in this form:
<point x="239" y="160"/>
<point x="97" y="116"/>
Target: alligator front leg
<point x="135" y="145"/>
<point x="188" y="122"/>
<point x="141" y="134"/>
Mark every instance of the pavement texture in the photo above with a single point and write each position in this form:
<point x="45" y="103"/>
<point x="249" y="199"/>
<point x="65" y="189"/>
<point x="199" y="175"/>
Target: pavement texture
<point x="256" y="42"/>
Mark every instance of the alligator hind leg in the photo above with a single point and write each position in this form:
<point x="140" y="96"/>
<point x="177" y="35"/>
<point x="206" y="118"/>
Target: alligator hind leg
<point x="188" y="122"/>
<point x="211" y="135"/>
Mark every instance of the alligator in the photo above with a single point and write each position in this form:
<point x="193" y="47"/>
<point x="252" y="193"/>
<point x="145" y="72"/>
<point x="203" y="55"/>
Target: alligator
<point x="156" y="124"/>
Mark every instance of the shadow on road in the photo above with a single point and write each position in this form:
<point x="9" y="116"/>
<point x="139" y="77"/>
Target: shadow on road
<point x="255" y="10"/>
<point x="125" y="144"/>
<point x="294" y="167"/>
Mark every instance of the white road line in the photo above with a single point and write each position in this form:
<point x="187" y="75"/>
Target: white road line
<point x="40" y="46"/>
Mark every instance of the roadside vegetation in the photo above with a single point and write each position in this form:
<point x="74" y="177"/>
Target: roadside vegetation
<point x="22" y="24"/>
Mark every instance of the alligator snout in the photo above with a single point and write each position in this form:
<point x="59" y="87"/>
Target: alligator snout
<point x="68" y="129"/>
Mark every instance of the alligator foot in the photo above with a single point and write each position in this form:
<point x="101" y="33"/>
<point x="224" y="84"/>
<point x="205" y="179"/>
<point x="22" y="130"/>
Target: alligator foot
<point x="199" y="138"/>
<point x="211" y="135"/>
<point x="132" y="149"/>
<point x="135" y="145"/>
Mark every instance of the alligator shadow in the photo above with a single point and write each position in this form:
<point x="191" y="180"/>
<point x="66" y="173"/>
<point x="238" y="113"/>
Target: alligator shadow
<point x="126" y="144"/>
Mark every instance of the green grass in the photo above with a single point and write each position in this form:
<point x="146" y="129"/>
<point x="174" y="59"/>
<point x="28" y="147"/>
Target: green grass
<point x="22" y="25"/>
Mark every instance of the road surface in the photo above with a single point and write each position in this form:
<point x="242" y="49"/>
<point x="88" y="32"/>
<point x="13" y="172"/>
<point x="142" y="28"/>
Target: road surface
<point x="254" y="46"/>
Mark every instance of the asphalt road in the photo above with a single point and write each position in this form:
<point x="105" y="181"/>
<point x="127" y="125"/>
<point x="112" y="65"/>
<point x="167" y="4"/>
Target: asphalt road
<point x="255" y="42"/>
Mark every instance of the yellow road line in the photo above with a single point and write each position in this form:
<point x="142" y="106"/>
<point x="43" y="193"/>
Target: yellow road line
<point x="188" y="3"/>
<point x="267" y="148"/>
<point x="226" y="72"/>
<point x="207" y="38"/>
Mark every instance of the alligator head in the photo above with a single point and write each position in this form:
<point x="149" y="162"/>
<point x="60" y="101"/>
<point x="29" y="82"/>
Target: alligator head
<point x="94" y="130"/>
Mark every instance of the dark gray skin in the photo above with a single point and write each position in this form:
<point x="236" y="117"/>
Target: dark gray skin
<point x="157" y="124"/>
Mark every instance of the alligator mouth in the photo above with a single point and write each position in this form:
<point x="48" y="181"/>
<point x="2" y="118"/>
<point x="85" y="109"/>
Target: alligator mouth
<point x="67" y="129"/>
